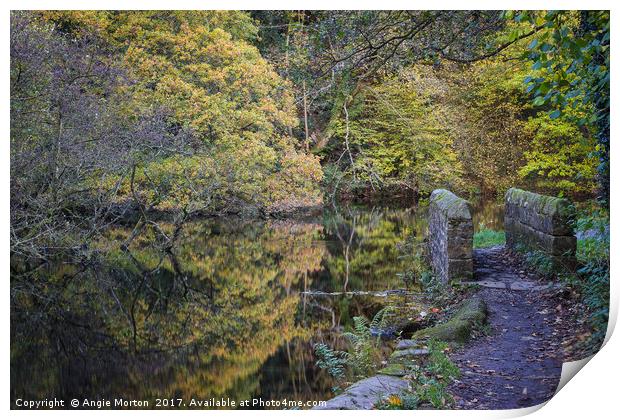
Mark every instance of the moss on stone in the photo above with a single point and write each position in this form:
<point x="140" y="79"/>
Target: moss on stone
<point x="395" y="369"/>
<point x="451" y="331"/>
<point x="459" y="328"/>
<point x="542" y="204"/>
<point x="454" y="207"/>
<point x="409" y="353"/>
<point x="474" y="310"/>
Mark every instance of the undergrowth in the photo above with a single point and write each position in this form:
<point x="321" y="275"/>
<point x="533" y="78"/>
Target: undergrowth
<point x="363" y="356"/>
<point x="592" y="276"/>
<point x="435" y="291"/>
<point x="590" y="280"/>
<point x="428" y="383"/>
<point x="428" y="379"/>
<point x="412" y="251"/>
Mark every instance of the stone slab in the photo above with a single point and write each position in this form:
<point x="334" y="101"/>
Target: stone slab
<point x="364" y="394"/>
<point x="409" y="353"/>
<point x="405" y="344"/>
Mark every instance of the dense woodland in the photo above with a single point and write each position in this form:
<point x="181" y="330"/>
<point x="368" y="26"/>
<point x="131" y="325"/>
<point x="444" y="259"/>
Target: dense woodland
<point x="118" y="115"/>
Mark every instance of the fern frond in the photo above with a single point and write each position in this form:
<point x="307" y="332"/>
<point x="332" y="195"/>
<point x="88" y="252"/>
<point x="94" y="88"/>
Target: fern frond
<point x="381" y="318"/>
<point x="331" y="360"/>
<point x="361" y="326"/>
<point x="353" y="338"/>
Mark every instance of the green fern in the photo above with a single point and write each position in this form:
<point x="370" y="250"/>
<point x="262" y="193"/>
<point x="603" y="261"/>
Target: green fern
<point x="382" y="318"/>
<point x="363" y="356"/>
<point x="333" y="361"/>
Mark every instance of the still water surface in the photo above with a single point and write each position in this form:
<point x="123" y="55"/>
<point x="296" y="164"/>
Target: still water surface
<point x="226" y="314"/>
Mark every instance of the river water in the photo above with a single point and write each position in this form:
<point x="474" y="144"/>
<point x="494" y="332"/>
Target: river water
<point x="231" y="312"/>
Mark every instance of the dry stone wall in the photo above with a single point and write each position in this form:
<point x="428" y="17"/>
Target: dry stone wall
<point x="541" y="223"/>
<point x="451" y="234"/>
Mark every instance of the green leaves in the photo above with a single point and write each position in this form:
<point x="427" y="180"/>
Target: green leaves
<point x="396" y="135"/>
<point x="538" y="101"/>
<point x="331" y="360"/>
<point x="570" y="71"/>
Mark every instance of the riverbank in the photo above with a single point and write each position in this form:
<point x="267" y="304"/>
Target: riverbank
<point x="510" y="359"/>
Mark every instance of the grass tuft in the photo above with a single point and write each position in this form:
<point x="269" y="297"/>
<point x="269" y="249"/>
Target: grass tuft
<point x="486" y="238"/>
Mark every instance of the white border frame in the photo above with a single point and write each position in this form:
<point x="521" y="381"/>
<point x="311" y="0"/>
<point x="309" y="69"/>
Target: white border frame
<point x="591" y="395"/>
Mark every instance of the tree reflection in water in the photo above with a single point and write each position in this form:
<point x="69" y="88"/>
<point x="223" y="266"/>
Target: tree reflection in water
<point x="219" y="315"/>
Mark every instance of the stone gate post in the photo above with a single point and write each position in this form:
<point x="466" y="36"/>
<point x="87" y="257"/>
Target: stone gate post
<point x="451" y="232"/>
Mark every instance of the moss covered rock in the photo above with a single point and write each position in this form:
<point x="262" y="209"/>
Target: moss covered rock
<point x="409" y="353"/>
<point x="395" y="369"/>
<point x="458" y="329"/>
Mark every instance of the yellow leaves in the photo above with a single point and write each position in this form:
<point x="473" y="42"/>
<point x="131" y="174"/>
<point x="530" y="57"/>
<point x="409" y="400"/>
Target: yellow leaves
<point x="397" y="126"/>
<point x="243" y="167"/>
<point x="561" y="157"/>
<point x="394" y="401"/>
<point x="201" y="67"/>
<point x="187" y="55"/>
<point x="96" y="21"/>
<point x="295" y="183"/>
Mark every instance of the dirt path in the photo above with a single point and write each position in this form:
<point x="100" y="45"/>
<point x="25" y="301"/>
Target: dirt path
<point x="518" y="364"/>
